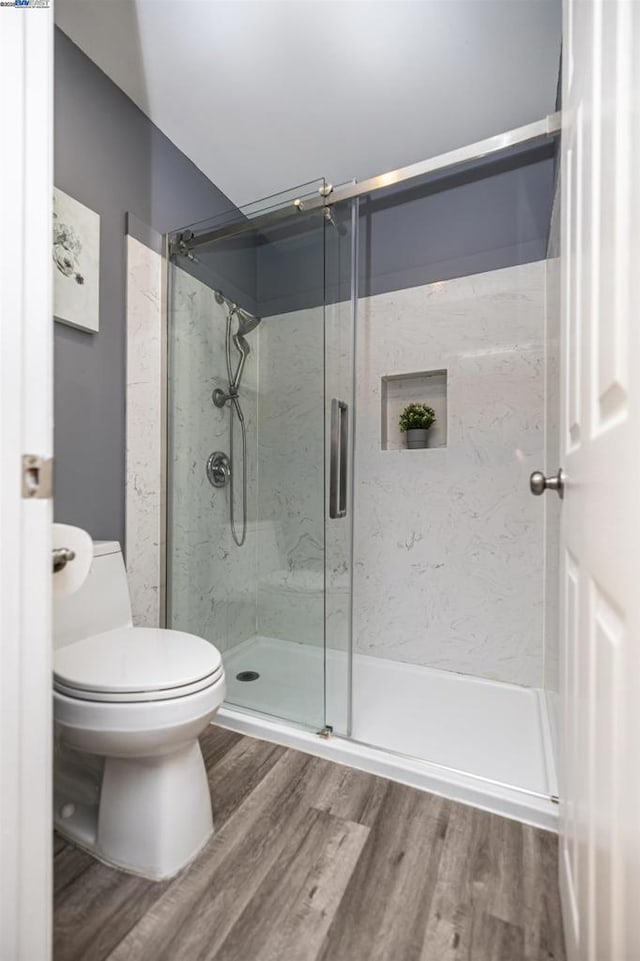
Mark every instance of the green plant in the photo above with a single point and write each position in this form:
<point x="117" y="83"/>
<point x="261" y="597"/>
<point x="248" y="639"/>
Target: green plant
<point x="417" y="417"/>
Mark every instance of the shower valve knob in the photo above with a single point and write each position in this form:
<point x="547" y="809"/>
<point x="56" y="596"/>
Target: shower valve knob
<point x="218" y="469"/>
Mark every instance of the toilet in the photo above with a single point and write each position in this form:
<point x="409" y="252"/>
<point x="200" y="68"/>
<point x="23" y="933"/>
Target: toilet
<point x="130" y="785"/>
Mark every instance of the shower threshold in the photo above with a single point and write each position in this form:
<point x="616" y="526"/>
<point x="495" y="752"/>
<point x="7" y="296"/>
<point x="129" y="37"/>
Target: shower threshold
<point x="481" y="742"/>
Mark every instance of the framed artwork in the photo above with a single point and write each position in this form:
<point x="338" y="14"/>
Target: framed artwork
<point x="76" y="259"/>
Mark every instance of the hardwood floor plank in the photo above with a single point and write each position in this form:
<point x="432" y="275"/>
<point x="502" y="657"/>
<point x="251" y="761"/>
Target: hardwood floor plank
<point x="504" y="845"/>
<point x="484" y="874"/>
<point x="493" y="939"/>
<point x="391" y="889"/>
<point x="68" y="865"/>
<point x="215" y="742"/>
<point x="461" y="887"/>
<point x="237" y="772"/>
<point x="290" y="913"/>
<point x="59" y="843"/>
<point x="544" y="935"/>
<point x="351" y="795"/>
<point x="98" y="910"/>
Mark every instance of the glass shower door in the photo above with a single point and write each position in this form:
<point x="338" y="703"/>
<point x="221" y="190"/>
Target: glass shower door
<point x="250" y="289"/>
<point x="341" y="240"/>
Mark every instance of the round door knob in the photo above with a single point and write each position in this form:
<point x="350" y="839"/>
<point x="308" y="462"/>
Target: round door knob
<point x="538" y="483"/>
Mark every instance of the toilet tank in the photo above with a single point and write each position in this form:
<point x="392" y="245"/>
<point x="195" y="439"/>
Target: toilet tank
<point x="101" y="604"/>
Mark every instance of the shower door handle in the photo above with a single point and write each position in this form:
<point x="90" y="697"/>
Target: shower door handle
<point x="339" y="459"/>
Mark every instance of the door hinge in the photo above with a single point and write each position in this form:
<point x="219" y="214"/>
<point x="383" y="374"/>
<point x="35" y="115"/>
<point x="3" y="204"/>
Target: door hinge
<point x="37" y="477"/>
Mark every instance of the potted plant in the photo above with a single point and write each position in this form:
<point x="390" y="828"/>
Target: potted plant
<point x="415" y="421"/>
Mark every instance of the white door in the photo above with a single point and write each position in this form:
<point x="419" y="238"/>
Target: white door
<point x="26" y="87"/>
<point x="600" y="546"/>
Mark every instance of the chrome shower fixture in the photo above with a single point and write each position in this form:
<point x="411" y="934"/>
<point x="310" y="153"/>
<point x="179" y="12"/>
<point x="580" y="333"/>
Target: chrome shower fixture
<point x="246" y="323"/>
<point x="330" y="219"/>
<point x="181" y="246"/>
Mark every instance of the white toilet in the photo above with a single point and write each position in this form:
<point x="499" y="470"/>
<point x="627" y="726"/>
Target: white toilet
<point x="129" y="704"/>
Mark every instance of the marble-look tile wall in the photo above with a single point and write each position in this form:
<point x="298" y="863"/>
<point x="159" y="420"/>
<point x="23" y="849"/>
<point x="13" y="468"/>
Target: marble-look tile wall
<point x="291" y="493"/>
<point x="339" y="383"/>
<point x="448" y="546"/>
<point x="275" y="584"/>
<point x="145" y="442"/>
<point x="295" y="535"/>
<point x="212" y="583"/>
<point x="448" y="565"/>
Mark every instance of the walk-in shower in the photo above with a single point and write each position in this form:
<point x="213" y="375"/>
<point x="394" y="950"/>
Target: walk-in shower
<point x="393" y="601"/>
<point x="218" y="471"/>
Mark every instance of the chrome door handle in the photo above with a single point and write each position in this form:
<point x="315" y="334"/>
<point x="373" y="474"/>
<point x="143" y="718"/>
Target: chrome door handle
<point x="538" y="483"/>
<point x="338" y="459"/>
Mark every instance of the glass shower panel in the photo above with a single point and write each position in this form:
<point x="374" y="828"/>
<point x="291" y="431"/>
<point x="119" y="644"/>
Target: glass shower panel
<point x="258" y="596"/>
<point x="448" y="560"/>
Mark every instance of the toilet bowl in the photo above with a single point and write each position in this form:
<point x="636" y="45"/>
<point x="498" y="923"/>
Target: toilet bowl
<point x="130" y="784"/>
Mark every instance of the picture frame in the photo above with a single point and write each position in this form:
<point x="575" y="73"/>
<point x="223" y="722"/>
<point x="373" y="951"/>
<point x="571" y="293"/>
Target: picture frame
<point x="76" y="258"/>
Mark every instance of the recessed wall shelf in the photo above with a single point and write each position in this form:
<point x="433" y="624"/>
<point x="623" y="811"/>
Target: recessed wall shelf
<point x="422" y="387"/>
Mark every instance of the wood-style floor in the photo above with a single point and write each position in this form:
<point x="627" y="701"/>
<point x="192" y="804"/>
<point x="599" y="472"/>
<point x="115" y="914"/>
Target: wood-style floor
<point x="312" y="861"/>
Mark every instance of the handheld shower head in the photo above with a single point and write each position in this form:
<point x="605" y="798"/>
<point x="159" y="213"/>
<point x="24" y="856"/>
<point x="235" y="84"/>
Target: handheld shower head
<point x="246" y="323"/>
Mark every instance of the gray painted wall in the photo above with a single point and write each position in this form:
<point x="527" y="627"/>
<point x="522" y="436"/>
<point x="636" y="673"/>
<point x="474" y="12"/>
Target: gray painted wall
<point x="109" y="156"/>
<point x="495" y="215"/>
<point x="491" y="215"/>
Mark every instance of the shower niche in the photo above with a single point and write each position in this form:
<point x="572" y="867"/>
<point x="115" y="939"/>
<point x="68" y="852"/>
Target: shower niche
<point x="423" y="387"/>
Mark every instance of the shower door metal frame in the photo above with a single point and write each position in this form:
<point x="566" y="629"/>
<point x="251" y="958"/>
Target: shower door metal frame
<point x="538" y="131"/>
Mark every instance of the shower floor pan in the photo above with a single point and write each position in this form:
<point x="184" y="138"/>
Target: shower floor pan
<point x="482" y="742"/>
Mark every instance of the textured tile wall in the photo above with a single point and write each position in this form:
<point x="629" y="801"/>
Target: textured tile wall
<point x="449" y="541"/>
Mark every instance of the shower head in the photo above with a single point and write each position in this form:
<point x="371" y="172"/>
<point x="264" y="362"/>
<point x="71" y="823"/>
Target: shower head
<point x="246" y="322"/>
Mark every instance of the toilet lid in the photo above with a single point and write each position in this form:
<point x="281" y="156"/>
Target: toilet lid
<point x="136" y="661"/>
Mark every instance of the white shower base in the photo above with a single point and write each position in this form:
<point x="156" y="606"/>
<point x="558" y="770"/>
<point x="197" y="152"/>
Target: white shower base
<point x="479" y="741"/>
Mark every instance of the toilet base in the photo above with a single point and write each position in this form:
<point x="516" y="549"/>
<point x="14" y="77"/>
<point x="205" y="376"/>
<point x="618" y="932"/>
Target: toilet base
<point x="147" y="815"/>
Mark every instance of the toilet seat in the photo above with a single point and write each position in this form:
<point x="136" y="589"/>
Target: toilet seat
<point x="136" y="664"/>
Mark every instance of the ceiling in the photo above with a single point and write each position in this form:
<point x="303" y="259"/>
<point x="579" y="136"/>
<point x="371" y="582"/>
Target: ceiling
<point x="266" y="95"/>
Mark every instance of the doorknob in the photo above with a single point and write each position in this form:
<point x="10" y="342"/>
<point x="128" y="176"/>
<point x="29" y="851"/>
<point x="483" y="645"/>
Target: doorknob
<point x="538" y="483"/>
